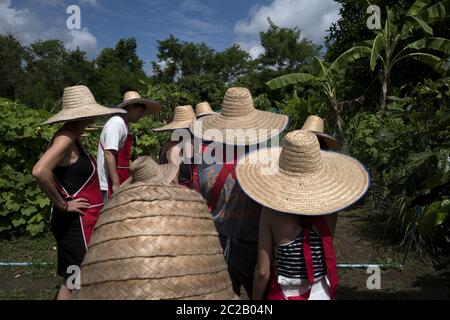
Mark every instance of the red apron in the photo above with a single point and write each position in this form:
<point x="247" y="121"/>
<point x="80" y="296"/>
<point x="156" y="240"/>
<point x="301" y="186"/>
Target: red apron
<point x="123" y="157"/>
<point x="91" y="192"/>
<point x="275" y="292"/>
<point x="194" y="184"/>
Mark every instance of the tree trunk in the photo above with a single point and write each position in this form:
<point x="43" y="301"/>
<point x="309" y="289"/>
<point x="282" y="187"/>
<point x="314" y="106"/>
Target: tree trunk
<point x="384" y="79"/>
<point x="339" y="121"/>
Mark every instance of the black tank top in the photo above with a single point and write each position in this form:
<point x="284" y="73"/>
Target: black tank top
<point x="74" y="176"/>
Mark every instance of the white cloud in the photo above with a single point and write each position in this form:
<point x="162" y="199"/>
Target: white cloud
<point x="82" y="39"/>
<point x="312" y="17"/>
<point x="196" y="7"/>
<point x="28" y="27"/>
<point x="91" y="2"/>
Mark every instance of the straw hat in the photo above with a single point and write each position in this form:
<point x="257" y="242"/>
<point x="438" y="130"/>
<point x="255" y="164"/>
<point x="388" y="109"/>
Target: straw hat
<point x="146" y="169"/>
<point x="78" y="103"/>
<point x="302" y="179"/>
<point x="182" y="118"/>
<point x="238" y="112"/>
<point x="203" y="109"/>
<point x="133" y="97"/>
<point x="154" y="241"/>
<point x="316" y="125"/>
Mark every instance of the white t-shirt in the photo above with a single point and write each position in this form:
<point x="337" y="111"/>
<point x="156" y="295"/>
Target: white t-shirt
<point x="113" y="137"/>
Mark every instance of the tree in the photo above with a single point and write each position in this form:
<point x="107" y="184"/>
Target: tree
<point x="119" y="69"/>
<point x="388" y="48"/>
<point x="325" y="78"/>
<point x="284" y="52"/>
<point x="11" y="58"/>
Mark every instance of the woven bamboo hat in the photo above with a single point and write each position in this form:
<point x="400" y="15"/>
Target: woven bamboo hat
<point x="182" y="118"/>
<point x="238" y="113"/>
<point x="203" y="109"/>
<point x="302" y="179"/>
<point x="154" y="241"/>
<point x="146" y="169"/>
<point x="133" y="97"/>
<point x="78" y="103"/>
<point x="316" y="125"/>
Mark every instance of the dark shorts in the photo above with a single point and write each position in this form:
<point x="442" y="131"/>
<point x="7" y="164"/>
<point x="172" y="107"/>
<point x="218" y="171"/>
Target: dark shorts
<point x="71" y="247"/>
<point x="241" y="257"/>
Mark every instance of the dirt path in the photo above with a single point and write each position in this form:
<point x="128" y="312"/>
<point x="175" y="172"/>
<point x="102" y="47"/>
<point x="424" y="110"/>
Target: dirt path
<point x="355" y="242"/>
<point x="417" y="280"/>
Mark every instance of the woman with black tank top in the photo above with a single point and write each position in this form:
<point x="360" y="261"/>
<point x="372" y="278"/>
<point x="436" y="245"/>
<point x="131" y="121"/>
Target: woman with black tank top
<point x="68" y="175"/>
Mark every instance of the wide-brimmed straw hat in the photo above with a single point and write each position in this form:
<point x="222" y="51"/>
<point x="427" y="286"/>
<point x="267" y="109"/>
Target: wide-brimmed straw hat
<point x="239" y="123"/>
<point x="78" y="103"/>
<point x="146" y="169"/>
<point x="302" y="179"/>
<point x="182" y="118"/>
<point x="133" y="97"/>
<point x="316" y="125"/>
<point x="154" y="241"/>
<point x="203" y="109"/>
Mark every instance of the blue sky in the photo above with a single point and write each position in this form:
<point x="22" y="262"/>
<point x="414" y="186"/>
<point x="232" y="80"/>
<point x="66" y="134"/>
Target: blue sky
<point x="219" y="23"/>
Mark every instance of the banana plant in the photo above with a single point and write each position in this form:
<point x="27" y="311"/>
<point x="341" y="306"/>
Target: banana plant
<point x="387" y="49"/>
<point x="324" y="77"/>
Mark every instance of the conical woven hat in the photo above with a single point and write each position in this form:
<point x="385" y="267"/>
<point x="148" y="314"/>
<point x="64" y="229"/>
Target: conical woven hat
<point x="133" y="97"/>
<point x="302" y="179"/>
<point x="182" y="118"/>
<point x="147" y="170"/>
<point x="154" y="241"/>
<point x="238" y="113"/>
<point x="316" y="125"/>
<point x="78" y="103"/>
<point x="203" y="109"/>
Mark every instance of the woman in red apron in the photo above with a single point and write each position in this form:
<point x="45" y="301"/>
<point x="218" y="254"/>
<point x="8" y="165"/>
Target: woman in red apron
<point x="301" y="188"/>
<point x="68" y="175"/>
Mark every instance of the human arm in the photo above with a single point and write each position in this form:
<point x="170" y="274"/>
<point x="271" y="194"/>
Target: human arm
<point x="262" y="269"/>
<point x="43" y="172"/>
<point x="111" y="167"/>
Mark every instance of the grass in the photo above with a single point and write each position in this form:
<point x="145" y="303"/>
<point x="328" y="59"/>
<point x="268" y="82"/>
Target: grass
<point x="34" y="282"/>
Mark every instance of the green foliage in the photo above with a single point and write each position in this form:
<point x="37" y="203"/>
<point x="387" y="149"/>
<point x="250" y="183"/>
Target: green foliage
<point x="23" y="207"/>
<point x="409" y="156"/>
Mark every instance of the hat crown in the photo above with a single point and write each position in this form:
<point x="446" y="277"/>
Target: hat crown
<point x="314" y="123"/>
<point x="203" y="107"/>
<point x="144" y="169"/>
<point x="77" y="96"/>
<point x="184" y="113"/>
<point x="131" y="95"/>
<point x="237" y="102"/>
<point x="301" y="153"/>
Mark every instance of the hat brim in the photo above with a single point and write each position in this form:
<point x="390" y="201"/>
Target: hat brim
<point x="82" y="113"/>
<point x="329" y="141"/>
<point x="342" y="181"/>
<point x="167" y="174"/>
<point x="257" y="127"/>
<point x="152" y="107"/>
<point x="203" y="114"/>
<point x="174" y="126"/>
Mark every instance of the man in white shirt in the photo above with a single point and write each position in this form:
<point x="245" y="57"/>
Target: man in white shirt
<point x="114" y="150"/>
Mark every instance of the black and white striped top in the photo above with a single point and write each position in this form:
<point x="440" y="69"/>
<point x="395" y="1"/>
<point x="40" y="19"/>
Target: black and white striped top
<point x="290" y="260"/>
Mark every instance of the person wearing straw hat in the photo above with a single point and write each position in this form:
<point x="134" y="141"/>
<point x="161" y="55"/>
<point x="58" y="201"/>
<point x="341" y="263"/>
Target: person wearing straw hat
<point x="236" y="216"/>
<point x="177" y="148"/>
<point x="68" y="175"/>
<point x="203" y="109"/>
<point x="301" y="189"/>
<point x="316" y="125"/>
<point x="114" y="148"/>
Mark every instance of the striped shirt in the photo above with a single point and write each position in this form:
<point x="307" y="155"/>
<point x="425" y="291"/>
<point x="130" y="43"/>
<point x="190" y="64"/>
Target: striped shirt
<point x="290" y="260"/>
